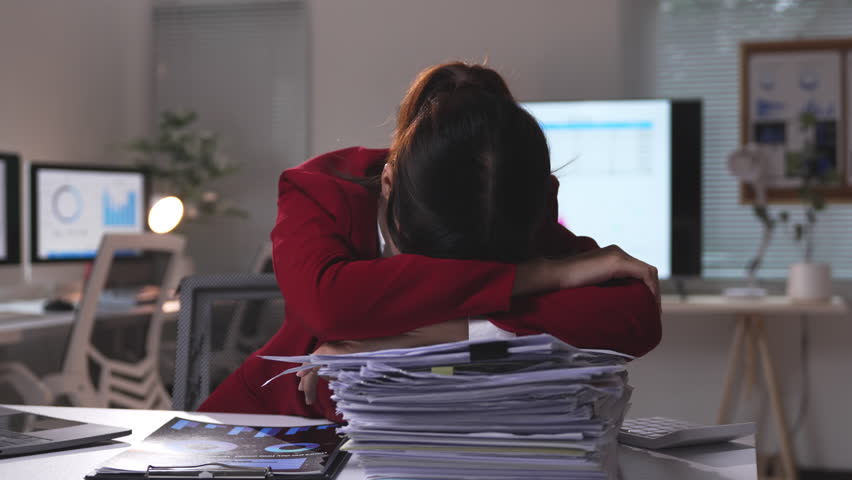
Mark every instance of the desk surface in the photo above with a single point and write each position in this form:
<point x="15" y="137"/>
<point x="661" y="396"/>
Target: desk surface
<point x="17" y="317"/>
<point x="769" y="305"/>
<point x="730" y="461"/>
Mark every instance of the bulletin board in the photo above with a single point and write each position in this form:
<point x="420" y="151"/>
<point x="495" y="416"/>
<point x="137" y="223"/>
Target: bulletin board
<point x="779" y="81"/>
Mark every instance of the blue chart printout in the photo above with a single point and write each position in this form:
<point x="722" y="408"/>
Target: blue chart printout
<point x="291" y="452"/>
<point x="76" y="207"/>
<point x="613" y="162"/>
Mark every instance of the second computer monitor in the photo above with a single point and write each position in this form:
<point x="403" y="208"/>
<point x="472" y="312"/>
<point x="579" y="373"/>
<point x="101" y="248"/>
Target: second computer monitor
<point x="630" y="175"/>
<point x="73" y="206"/>
<point x="10" y="229"/>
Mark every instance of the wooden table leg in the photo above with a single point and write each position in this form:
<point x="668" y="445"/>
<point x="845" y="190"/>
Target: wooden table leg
<point x="788" y="458"/>
<point x="750" y="348"/>
<point x="731" y="377"/>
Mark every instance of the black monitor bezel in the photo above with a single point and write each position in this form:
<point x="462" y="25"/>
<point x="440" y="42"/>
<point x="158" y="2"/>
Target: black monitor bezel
<point x="35" y="167"/>
<point x="13" y="208"/>
<point x="686" y="194"/>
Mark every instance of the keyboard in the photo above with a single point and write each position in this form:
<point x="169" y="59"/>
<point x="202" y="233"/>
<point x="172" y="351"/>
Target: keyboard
<point x="9" y="438"/>
<point x="659" y="432"/>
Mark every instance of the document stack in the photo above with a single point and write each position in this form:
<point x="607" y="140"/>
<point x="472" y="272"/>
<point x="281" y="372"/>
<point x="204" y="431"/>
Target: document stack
<point x="526" y="407"/>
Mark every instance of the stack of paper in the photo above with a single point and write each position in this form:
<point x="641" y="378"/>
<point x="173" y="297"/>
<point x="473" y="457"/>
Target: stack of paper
<point x="527" y="407"/>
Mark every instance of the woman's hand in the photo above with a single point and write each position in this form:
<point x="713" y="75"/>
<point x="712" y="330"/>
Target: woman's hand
<point x="609" y="263"/>
<point x="451" y="331"/>
<point x="308" y="378"/>
<point x="588" y="268"/>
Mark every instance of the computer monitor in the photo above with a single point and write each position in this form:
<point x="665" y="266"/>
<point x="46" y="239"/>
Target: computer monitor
<point x="10" y="208"/>
<point x="630" y="175"/>
<point x="73" y="206"/>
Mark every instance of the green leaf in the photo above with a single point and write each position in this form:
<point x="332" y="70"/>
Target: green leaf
<point x="811" y="216"/>
<point x="236" y="212"/>
<point x="807" y="120"/>
<point x="762" y="213"/>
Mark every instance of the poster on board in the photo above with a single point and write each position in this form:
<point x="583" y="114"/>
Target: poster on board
<point x="783" y="88"/>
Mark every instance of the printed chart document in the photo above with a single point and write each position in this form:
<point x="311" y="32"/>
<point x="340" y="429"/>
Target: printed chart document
<point x="186" y="448"/>
<point x="525" y="407"/>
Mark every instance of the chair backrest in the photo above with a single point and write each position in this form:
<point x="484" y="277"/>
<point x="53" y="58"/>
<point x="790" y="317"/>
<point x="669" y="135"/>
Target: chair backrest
<point x="193" y="352"/>
<point x="244" y="330"/>
<point x="134" y="384"/>
<point x="262" y="261"/>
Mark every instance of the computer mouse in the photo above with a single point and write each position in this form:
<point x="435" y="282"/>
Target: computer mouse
<point x="58" y="305"/>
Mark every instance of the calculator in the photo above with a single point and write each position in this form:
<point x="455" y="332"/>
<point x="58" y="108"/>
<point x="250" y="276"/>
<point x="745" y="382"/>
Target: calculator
<point x="659" y="432"/>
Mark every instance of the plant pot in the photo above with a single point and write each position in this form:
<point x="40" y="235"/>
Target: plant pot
<point x="809" y="282"/>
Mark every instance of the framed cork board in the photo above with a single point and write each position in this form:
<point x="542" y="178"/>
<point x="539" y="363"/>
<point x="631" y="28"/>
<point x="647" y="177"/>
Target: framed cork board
<point x="795" y="97"/>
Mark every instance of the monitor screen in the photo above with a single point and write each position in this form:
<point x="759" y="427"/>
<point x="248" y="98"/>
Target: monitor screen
<point x="72" y="207"/>
<point x="616" y="164"/>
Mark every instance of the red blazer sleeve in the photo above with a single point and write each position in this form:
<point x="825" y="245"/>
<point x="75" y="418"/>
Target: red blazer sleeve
<point x="621" y="316"/>
<point x="342" y="297"/>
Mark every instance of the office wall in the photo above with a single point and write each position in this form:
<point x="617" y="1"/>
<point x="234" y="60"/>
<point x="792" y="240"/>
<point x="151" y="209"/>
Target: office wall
<point x="365" y="54"/>
<point x="74" y="88"/>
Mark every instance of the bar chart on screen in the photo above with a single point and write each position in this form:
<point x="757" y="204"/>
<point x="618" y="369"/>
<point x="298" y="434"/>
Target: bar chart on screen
<point x="119" y="209"/>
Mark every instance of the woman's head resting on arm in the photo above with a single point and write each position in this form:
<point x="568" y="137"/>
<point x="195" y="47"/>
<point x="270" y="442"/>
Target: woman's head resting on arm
<point x="468" y="171"/>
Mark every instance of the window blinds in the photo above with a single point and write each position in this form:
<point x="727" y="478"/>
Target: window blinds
<point x="697" y="56"/>
<point x="243" y="66"/>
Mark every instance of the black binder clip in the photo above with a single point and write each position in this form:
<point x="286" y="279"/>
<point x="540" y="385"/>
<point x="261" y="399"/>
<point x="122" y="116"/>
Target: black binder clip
<point x="482" y="352"/>
<point x="209" y="470"/>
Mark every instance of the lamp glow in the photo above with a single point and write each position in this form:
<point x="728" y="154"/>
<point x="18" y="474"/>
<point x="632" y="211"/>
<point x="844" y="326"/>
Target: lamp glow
<point x="165" y="215"/>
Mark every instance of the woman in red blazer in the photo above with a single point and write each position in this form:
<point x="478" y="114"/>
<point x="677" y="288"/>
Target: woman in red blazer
<point x="387" y="248"/>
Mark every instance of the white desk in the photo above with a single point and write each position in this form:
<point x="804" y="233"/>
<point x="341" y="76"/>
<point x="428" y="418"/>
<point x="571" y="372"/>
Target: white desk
<point x="750" y="348"/>
<point x="720" y="462"/>
<point x="16" y="318"/>
<point x="770" y="305"/>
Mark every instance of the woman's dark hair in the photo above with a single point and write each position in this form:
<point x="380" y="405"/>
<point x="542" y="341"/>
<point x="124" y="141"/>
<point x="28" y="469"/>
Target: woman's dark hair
<point x="470" y="169"/>
<point x="446" y="78"/>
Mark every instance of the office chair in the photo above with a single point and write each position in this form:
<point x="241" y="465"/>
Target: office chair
<point x="23" y="381"/>
<point x="200" y="295"/>
<point x="251" y="324"/>
<point x="88" y="377"/>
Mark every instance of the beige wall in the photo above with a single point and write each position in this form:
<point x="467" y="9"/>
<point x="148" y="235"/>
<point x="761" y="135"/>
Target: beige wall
<point x="74" y="86"/>
<point x="365" y="54"/>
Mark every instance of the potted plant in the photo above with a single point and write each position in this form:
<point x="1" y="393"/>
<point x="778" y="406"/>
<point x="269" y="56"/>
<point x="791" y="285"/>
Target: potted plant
<point x="809" y="280"/>
<point x="185" y="162"/>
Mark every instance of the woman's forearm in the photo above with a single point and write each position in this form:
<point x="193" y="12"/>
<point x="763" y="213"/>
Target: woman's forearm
<point x="535" y="276"/>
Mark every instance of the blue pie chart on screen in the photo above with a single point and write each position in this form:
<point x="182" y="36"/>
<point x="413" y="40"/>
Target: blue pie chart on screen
<point x="67" y="204"/>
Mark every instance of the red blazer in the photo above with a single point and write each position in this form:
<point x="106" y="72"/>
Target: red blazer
<point x="338" y="287"/>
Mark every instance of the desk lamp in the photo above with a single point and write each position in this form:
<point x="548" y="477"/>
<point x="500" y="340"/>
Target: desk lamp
<point x="165" y="215"/>
<point x="750" y="165"/>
